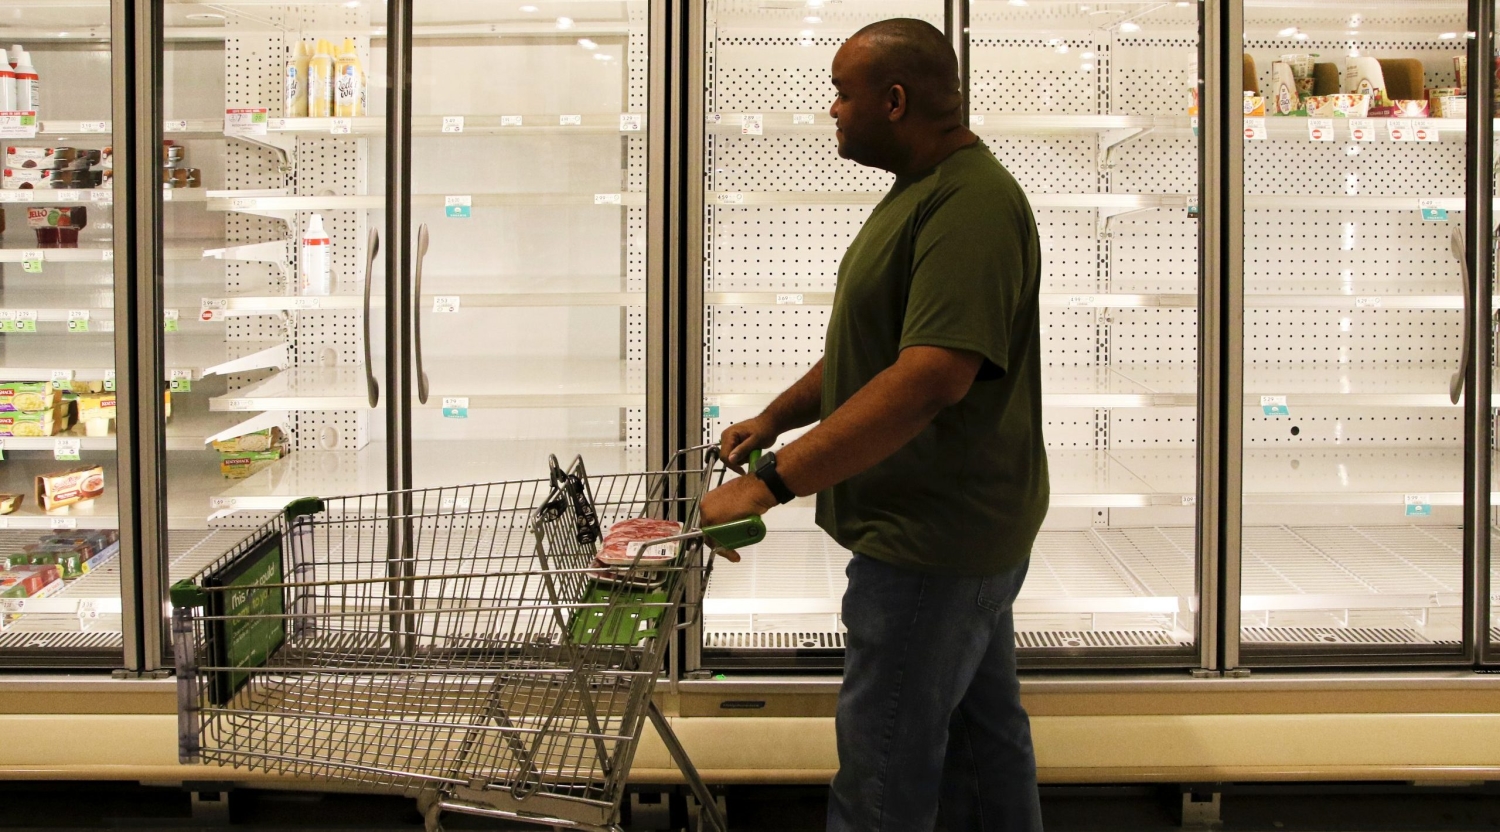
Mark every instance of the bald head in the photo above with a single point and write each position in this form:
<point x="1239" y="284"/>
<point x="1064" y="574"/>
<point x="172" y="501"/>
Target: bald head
<point x="917" y="56"/>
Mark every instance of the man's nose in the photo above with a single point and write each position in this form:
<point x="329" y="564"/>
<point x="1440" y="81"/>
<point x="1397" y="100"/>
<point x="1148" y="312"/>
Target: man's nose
<point x="833" y="109"/>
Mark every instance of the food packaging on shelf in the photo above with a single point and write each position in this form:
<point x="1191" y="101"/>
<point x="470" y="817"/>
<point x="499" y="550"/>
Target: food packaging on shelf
<point x="237" y="466"/>
<point x="95" y="412"/>
<point x="1248" y="76"/>
<point x="67" y="488"/>
<point x="1285" y="99"/>
<point x="1337" y="106"/>
<point x="17" y="179"/>
<point x="1363" y="76"/>
<point x="1326" y="79"/>
<point x="36" y="423"/>
<point x="69" y="562"/>
<point x="74" y="554"/>
<point x="1449" y="102"/>
<point x="1403" y="108"/>
<point x="260" y="440"/>
<point x="58" y="216"/>
<point x="294" y="87"/>
<point x="13" y="560"/>
<point x="27" y="581"/>
<point x="1255" y="106"/>
<point x="47" y="158"/>
<point x="28" y="395"/>
<point x="1302" y="71"/>
<point x="10" y="502"/>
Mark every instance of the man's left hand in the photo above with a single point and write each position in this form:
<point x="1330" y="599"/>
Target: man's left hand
<point x="735" y="500"/>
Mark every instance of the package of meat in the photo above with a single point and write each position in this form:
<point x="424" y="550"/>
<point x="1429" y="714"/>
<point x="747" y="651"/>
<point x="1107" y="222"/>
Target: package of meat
<point x="619" y="551"/>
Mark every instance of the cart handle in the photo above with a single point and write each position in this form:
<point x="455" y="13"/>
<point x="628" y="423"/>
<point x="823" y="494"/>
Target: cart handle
<point x="737" y="533"/>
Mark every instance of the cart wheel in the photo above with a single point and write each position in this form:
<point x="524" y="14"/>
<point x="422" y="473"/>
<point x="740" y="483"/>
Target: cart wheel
<point x="433" y="818"/>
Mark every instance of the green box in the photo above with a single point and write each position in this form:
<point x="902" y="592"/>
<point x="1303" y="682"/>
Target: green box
<point x="244" y="626"/>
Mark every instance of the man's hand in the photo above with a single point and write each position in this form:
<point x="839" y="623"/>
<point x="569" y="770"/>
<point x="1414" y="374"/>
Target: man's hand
<point x="740" y="439"/>
<point x="735" y="500"/>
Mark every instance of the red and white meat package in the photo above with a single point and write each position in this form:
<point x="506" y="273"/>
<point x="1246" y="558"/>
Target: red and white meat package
<point x="625" y="538"/>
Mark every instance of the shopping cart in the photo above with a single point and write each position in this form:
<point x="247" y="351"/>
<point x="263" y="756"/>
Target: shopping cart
<point x="457" y="645"/>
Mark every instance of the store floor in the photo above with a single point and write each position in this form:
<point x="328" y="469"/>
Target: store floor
<point x="55" y="806"/>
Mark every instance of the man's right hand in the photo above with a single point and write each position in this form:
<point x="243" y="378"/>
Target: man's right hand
<point x="742" y="438"/>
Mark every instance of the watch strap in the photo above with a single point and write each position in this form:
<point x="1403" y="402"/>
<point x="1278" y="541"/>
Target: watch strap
<point x="765" y="471"/>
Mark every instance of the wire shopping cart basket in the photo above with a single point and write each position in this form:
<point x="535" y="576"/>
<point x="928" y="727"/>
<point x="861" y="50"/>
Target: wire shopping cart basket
<point x="473" y="647"/>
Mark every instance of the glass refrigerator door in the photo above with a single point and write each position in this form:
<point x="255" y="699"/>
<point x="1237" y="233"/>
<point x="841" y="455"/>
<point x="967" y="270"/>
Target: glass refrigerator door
<point x="274" y="239"/>
<point x="1089" y="111"/>
<point x="59" y="571"/>
<point x="528" y="177"/>
<point x="1353" y="445"/>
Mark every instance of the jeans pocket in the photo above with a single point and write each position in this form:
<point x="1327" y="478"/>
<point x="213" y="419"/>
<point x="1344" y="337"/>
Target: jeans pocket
<point x="998" y="592"/>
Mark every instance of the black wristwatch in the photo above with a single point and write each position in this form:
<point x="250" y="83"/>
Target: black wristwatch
<point x="765" y="470"/>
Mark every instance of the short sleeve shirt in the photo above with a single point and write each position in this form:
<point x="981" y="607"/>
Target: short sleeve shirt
<point x="949" y="258"/>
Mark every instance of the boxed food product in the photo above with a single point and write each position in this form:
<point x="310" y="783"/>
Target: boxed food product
<point x="1461" y="70"/>
<point x="1342" y="105"/>
<point x="1255" y="106"/>
<point x="1402" y="108"/>
<point x="13" y="560"/>
<point x="69" y="562"/>
<point x="92" y="406"/>
<point x="10" y="502"/>
<point x="237" y="466"/>
<point x="1447" y="102"/>
<point x="260" y="440"/>
<point x="22" y="178"/>
<point x="58" y="216"/>
<point x="1285" y="99"/>
<point x="50" y="157"/>
<point x="35" y="422"/>
<point x="26" y="581"/>
<point x="28" y="395"/>
<point x="65" y="488"/>
<point x="80" y="386"/>
<point x="1363" y="76"/>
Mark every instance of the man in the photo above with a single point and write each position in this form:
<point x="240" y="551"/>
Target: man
<point x="929" y="462"/>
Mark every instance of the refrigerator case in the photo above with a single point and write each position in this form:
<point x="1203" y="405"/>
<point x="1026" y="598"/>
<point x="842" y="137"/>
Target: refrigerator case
<point x="1090" y="116"/>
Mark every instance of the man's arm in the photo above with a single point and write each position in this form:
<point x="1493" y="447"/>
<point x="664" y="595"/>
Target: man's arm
<point x="874" y="423"/>
<point x="797" y="406"/>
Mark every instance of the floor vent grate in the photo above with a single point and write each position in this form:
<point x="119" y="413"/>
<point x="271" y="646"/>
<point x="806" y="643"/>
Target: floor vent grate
<point x="1332" y="635"/>
<point x="61" y="641"/>
<point x="1062" y="639"/>
<point x="773" y="641"/>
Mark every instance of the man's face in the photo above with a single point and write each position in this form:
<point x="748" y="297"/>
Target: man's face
<point x="861" y="109"/>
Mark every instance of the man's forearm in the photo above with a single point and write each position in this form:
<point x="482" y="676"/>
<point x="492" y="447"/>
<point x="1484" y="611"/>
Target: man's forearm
<point x="874" y="423"/>
<point x="800" y="404"/>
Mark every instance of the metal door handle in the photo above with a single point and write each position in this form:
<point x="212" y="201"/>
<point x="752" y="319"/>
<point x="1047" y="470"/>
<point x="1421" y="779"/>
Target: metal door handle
<point x="417" y="318"/>
<point x="1456" y="382"/>
<point x="372" y="388"/>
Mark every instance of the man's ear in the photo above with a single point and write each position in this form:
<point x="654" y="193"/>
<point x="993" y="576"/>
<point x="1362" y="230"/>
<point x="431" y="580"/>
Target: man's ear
<point x="896" y="102"/>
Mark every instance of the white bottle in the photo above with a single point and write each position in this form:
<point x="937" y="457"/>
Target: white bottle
<point x="317" y="260"/>
<point x="294" y="103"/>
<point x="7" y="84"/>
<point x="28" y="83"/>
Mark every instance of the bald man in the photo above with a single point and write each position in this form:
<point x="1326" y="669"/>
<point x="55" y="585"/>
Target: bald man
<point x="928" y="462"/>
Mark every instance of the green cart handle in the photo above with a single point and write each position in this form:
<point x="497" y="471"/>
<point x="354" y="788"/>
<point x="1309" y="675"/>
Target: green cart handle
<point x="739" y="533"/>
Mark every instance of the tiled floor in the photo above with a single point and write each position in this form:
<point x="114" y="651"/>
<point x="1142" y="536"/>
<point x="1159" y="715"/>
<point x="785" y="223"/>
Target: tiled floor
<point x="79" y="806"/>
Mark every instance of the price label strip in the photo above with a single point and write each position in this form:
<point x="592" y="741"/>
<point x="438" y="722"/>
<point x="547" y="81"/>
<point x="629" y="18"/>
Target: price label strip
<point x="458" y="207"/>
<point x="630" y="122"/>
<point x="1320" y="129"/>
<point x="570" y="121"/>
<point x="455" y="407"/>
<point x="1424" y="130"/>
<point x="976" y="120"/>
<point x="251" y="121"/>
<point x="17" y="196"/>
<point x="78" y="320"/>
<point x="181" y="381"/>
<point x="31" y="261"/>
<point x="445" y="304"/>
<point x="804" y="118"/>
<point x="213" y="309"/>
<point x="729" y="198"/>
<point x="753" y="124"/>
<point x="793" y="299"/>
<point x="67" y="450"/>
<point x="1274" y="406"/>
<point x="1418" y="505"/>
<point x="453" y="124"/>
<point x="341" y="126"/>
<point x="18" y="124"/>
<point x="169" y="318"/>
<point x="25" y="320"/>
<point x="109" y="381"/>
<point x="1399" y="130"/>
<point x="606" y="199"/>
<point x="1431" y="211"/>
<point x="1255" y="129"/>
<point x="511" y="121"/>
<point x="93" y="127"/>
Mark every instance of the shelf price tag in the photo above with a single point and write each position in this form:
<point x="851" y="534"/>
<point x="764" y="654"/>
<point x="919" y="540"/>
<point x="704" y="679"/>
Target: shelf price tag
<point x="181" y="380"/>
<point x="109" y="381"/>
<point x="213" y="309"/>
<point x="62" y="378"/>
<point x="1418" y="505"/>
<point x="710" y="407"/>
<point x="458" y="207"/>
<point x="61" y="523"/>
<point x="25" y="320"/>
<point x="447" y="304"/>
<point x="88" y="613"/>
<point x="630" y="122"/>
<point x="511" y="121"/>
<point x="67" y="450"/>
<point x="178" y="126"/>
<point x="307" y="303"/>
<point x="752" y="124"/>
<point x="1431" y="211"/>
<point x="69" y="196"/>
<point x="31" y="261"/>
<point x="169" y="318"/>
<point x="78" y="320"/>
<point x="18" y="124"/>
<point x="453" y="124"/>
<point x="2" y="456"/>
<point x="341" y="126"/>
<point x="1362" y="129"/>
<point x="101" y="196"/>
<point x="1255" y="129"/>
<point x="804" y="118"/>
<point x="223" y="503"/>
<point x="794" y="299"/>
<point x="570" y="121"/>
<point x="729" y="198"/>
<point x="1424" y="130"/>
<point x="1399" y="130"/>
<point x="1080" y="300"/>
<point x="976" y="120"/>
<point x="1274" y="406"/>
<point x="17" y="196"/>
<point x="1369" y="302"/>
<point x="238" y="405"/>
<point x="1320" y="129"/>
<point x="246" y="121"/>
<point x="606" y="199"/>
<point x="7" y="320"/>
<point x="455" y="407"/>
<point x="453" y="502"/>
<point x="93" y="127"/>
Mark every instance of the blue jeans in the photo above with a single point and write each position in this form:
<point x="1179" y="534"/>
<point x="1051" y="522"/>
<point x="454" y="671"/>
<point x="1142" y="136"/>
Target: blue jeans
<point x="931" y="732"/>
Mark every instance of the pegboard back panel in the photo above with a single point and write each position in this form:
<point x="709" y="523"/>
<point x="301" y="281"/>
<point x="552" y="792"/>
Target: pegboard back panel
<point x="1386" y="427"/>
<point x="1392" y="337"/>
<point x="1035" y="75"/>
<point x="1155" y="251"/>
<point x="1303" y="168"/>
<point x="1301" y="250"/>
<point x="1150" y="74"/>
<point x="1154" y="336"/>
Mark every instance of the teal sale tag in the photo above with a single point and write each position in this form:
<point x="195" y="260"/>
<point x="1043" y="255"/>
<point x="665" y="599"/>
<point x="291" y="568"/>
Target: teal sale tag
<point x="456" y="407"/>
<point x="458" y="207"/>
<point x="1418" y="505"/>
<point x="1434" y="214"/>
<point x="1274" y="406"/>
<point x="711" y="412"/>
<point x="458" y="212"/>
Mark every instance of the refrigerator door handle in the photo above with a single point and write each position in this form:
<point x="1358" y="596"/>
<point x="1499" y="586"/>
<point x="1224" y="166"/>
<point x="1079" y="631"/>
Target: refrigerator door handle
<point x="372" y="387"/>
<point x="417" y="314"/>
<point x="1456" y="383"/>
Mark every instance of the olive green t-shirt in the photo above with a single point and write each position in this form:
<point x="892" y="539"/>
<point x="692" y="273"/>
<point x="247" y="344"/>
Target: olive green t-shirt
<point x="949" y="258"/>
